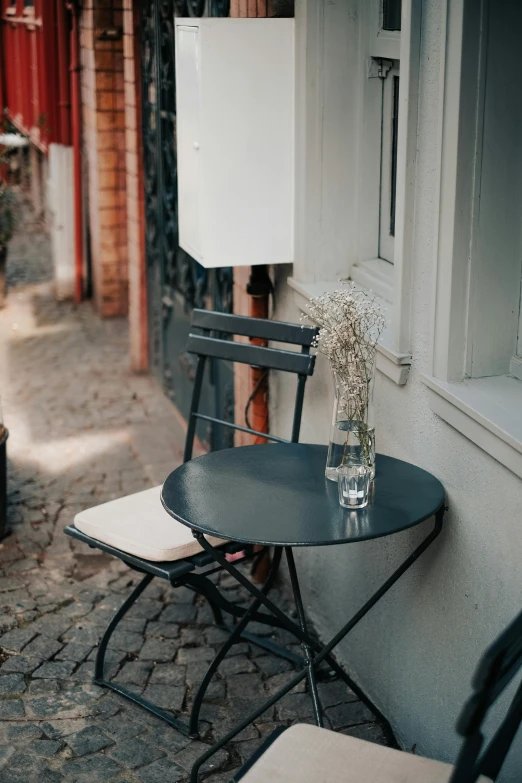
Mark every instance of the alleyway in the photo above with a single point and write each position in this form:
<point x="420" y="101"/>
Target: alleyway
<point x="83" y="430"/>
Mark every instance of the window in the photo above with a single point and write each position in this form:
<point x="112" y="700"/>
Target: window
<point x="389" y="140"/>
<point x="477" y="361"/>
<point x="495" y="264"/>
<point x="391" y="15"/>
<point x="379" y="148"/>
<point x="355" y="159"/>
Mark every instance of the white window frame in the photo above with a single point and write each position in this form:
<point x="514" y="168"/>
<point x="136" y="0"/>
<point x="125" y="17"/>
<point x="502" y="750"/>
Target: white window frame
<point x="515" y="367"/>
<point x="386" y="239"/>
<point x="485" y="409"/>
<point x="384" y="43"/>
<point x="338" y="129"/>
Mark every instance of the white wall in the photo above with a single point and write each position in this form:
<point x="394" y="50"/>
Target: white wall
<point x="60" y="203"/>
<point x="415" y="653"/>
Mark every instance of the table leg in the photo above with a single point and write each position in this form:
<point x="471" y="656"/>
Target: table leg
<point x="318" y="710"/>
<point x="322" y="653"/>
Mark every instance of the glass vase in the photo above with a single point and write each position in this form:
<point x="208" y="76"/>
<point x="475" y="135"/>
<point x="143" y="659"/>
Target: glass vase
<point x="352" y="434"/>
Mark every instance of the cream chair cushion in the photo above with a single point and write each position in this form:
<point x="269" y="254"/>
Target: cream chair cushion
<point x="139" y="525"/>
<point x="308" y="754"/>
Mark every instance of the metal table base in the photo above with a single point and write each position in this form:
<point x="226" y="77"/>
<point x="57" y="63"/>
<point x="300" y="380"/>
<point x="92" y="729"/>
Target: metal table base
<point x="313" y="652"/>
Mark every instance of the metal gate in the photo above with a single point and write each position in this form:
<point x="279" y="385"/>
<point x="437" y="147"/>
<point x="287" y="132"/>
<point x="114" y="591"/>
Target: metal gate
<point x="176" y="283"/>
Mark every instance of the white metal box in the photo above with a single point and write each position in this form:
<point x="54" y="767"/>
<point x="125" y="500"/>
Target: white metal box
<point x="235" y="140"/>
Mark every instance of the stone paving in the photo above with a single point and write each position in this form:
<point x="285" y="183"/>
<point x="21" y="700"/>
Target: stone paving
<point x="84" y="430"/>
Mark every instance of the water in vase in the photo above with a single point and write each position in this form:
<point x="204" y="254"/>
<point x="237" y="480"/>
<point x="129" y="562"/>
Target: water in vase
<point x="351" y="442"/>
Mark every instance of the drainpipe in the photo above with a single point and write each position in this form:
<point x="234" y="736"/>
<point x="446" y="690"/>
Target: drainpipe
<point x="2" y="77"/>
<point x="64" y="102"/>
<point x="77" y="152"/>
<point x="259" y="287"/>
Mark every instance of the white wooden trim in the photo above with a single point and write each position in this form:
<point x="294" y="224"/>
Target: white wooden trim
<point x="519" y="340"/>
<point x="485" y="410"/>
<point x="459" y="102"/>
<point x="496" y="247"/>
<point x="406" y="172"/>
<point x="384" y="43"/>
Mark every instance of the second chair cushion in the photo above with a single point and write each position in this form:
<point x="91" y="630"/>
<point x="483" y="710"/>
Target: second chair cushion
<point x="307" y="754"/>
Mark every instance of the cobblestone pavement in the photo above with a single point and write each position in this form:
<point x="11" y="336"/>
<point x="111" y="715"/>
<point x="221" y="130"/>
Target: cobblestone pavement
<point x="83" y="430"/>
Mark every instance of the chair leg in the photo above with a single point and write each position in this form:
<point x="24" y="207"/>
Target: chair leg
<point x="219" y="620"/>
<point x="99" y="664"/>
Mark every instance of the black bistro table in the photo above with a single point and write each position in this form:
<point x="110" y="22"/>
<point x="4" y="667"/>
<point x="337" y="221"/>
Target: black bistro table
<point x="277" y="495"/>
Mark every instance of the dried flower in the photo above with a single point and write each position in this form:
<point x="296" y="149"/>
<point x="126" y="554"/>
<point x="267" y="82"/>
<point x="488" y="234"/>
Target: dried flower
<point x="350" y="323"/>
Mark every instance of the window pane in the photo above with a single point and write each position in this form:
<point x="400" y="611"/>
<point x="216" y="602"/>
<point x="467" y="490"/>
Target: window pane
<point x="389" y="137"/>
<point x="519" y="347"/>
<point x="391" y="14"/>
<point x="395" y="133"/>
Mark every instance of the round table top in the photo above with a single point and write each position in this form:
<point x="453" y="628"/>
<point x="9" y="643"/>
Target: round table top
<point x="278" y="495"/>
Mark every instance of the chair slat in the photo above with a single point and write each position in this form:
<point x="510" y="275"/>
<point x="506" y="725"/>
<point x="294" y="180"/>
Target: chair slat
<point x="277" y="331"/>
<point x="233" y="426"/>
<point x="273" y="358"/>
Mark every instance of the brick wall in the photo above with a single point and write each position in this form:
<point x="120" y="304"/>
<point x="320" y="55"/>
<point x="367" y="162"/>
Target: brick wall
<point x="134" y="179"/>
<point x="104" y="146"/>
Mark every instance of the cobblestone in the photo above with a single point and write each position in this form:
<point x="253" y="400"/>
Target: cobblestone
<point x="84" y="430"/>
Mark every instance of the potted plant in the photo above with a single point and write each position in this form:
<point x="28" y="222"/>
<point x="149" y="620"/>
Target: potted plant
<point x="3" y="475"/>
<point x="7" y="227"/>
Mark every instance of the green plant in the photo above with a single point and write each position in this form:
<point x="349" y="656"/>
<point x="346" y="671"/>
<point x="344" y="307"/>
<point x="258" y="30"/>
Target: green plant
<point x="7" y="215"/>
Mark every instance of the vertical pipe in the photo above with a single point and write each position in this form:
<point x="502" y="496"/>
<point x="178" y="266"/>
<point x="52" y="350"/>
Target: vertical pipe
<point x="258" y="288"/>
<point x="2" y="68"/>
<point x="64" y="100"/>
<point x="77" y="152"/>
<point x="36" y="108"/>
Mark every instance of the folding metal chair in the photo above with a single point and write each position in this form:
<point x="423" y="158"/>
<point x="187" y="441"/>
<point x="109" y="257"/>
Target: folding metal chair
<point x="308" y="754"/>
<point x="137" y="529"/>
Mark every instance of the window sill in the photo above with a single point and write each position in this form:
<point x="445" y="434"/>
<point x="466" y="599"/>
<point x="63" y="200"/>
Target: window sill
<point x="485" y="410"/>
<point x="394" y="365"/>
<point x="375" y="274"/>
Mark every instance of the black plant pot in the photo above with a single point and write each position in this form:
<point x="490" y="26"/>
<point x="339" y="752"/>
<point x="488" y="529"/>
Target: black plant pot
<point x="3" y="263"/>
<point x="3" y="482"/>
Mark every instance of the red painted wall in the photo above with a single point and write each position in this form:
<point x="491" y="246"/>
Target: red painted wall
<point x="34" y="60"/>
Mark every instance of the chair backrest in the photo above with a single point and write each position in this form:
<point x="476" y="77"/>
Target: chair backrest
<point x="499" y="665"/>
<point x="207" y="340"/>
